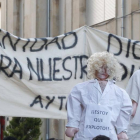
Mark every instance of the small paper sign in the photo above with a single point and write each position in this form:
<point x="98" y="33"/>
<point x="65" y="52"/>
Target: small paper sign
<point x="97" y="120"/>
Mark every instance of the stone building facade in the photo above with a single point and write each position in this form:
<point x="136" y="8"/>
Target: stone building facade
<point x="41" y="18"/>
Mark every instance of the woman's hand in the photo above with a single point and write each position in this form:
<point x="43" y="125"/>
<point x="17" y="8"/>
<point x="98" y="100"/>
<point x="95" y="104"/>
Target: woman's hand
<point x="70" y="131"/>
<point x="122" y="136"/>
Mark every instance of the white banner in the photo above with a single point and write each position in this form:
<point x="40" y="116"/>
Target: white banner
<point x="37" y="74"/>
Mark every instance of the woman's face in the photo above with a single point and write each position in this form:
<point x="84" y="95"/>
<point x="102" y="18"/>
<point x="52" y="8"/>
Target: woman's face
<point x="102" y="73"/>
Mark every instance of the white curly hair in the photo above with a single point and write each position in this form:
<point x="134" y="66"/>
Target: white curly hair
<point x="97" y="60"/>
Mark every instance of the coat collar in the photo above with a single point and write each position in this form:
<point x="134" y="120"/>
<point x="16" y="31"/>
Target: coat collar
<point x="95" y="81"/>
<point x="107" y="89"/>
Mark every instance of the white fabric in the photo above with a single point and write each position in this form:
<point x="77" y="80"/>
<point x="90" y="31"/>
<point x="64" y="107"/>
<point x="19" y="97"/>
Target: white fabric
<point x="51" y="66"/>
<point x="113" y="97"/>
<point x="56" y="68"/>
<point x="133" y="132"/>
<point x="133" y="89"/>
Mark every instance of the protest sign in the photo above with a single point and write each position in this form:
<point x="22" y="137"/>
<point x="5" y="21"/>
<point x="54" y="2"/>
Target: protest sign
<point x="37" y="74"/>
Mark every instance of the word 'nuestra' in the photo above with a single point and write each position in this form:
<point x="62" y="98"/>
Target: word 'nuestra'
<point x="45" y="70"/>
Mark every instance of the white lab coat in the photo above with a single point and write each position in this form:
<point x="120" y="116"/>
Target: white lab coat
<point x="90" y="91"/>
<point x="133" y="89"/>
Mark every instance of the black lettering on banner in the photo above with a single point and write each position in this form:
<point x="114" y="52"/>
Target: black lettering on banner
<point x="1" y="45"/>
<point x="132" y="70"/>
<point x="55" y="40"/>
<point x="17" y="71"/>
<point x="119" y="41"/>
<point x="83" y="67"/>
<point x="63" y="64"/>
<point x="76" y="57"/>
<point x="31" y="48"/>
<point x="75" y="42"/>
<point x="17" y="42"/>
<point x="125" y="71"/>
<point x="50" y="70"/>
<point x="39" y="49"/>
<point x="54" y="70"/>
<point x="50" y="101"/>
<point x="10" y="40"/>
<point x="128" y="47"/>
<point x="133" y="50"/>
<point x="66" y="106"/>
<point x="61" y="101"/>
<point x="0" y="42"/>
<point x="30" y="67"/>
<point x="26" y="45"/>
<point x="38" y="70"/>
<point x="37" y="100"/>
<point x="3" y="68"/>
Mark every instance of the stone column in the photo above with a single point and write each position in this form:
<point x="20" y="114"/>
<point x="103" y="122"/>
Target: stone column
<point x="29" y="18"/>
<point x="3" y="14"/>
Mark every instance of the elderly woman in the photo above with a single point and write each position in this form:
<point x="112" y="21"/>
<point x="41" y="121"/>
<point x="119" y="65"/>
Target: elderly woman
<point x="90" y="98"/>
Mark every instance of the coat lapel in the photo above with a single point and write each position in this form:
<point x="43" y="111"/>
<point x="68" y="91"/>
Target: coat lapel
<point x="108" y="88"/>
<point x="96" y="85"/>
<point x="98" y="91"/>
<point x="94" y="94"/>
